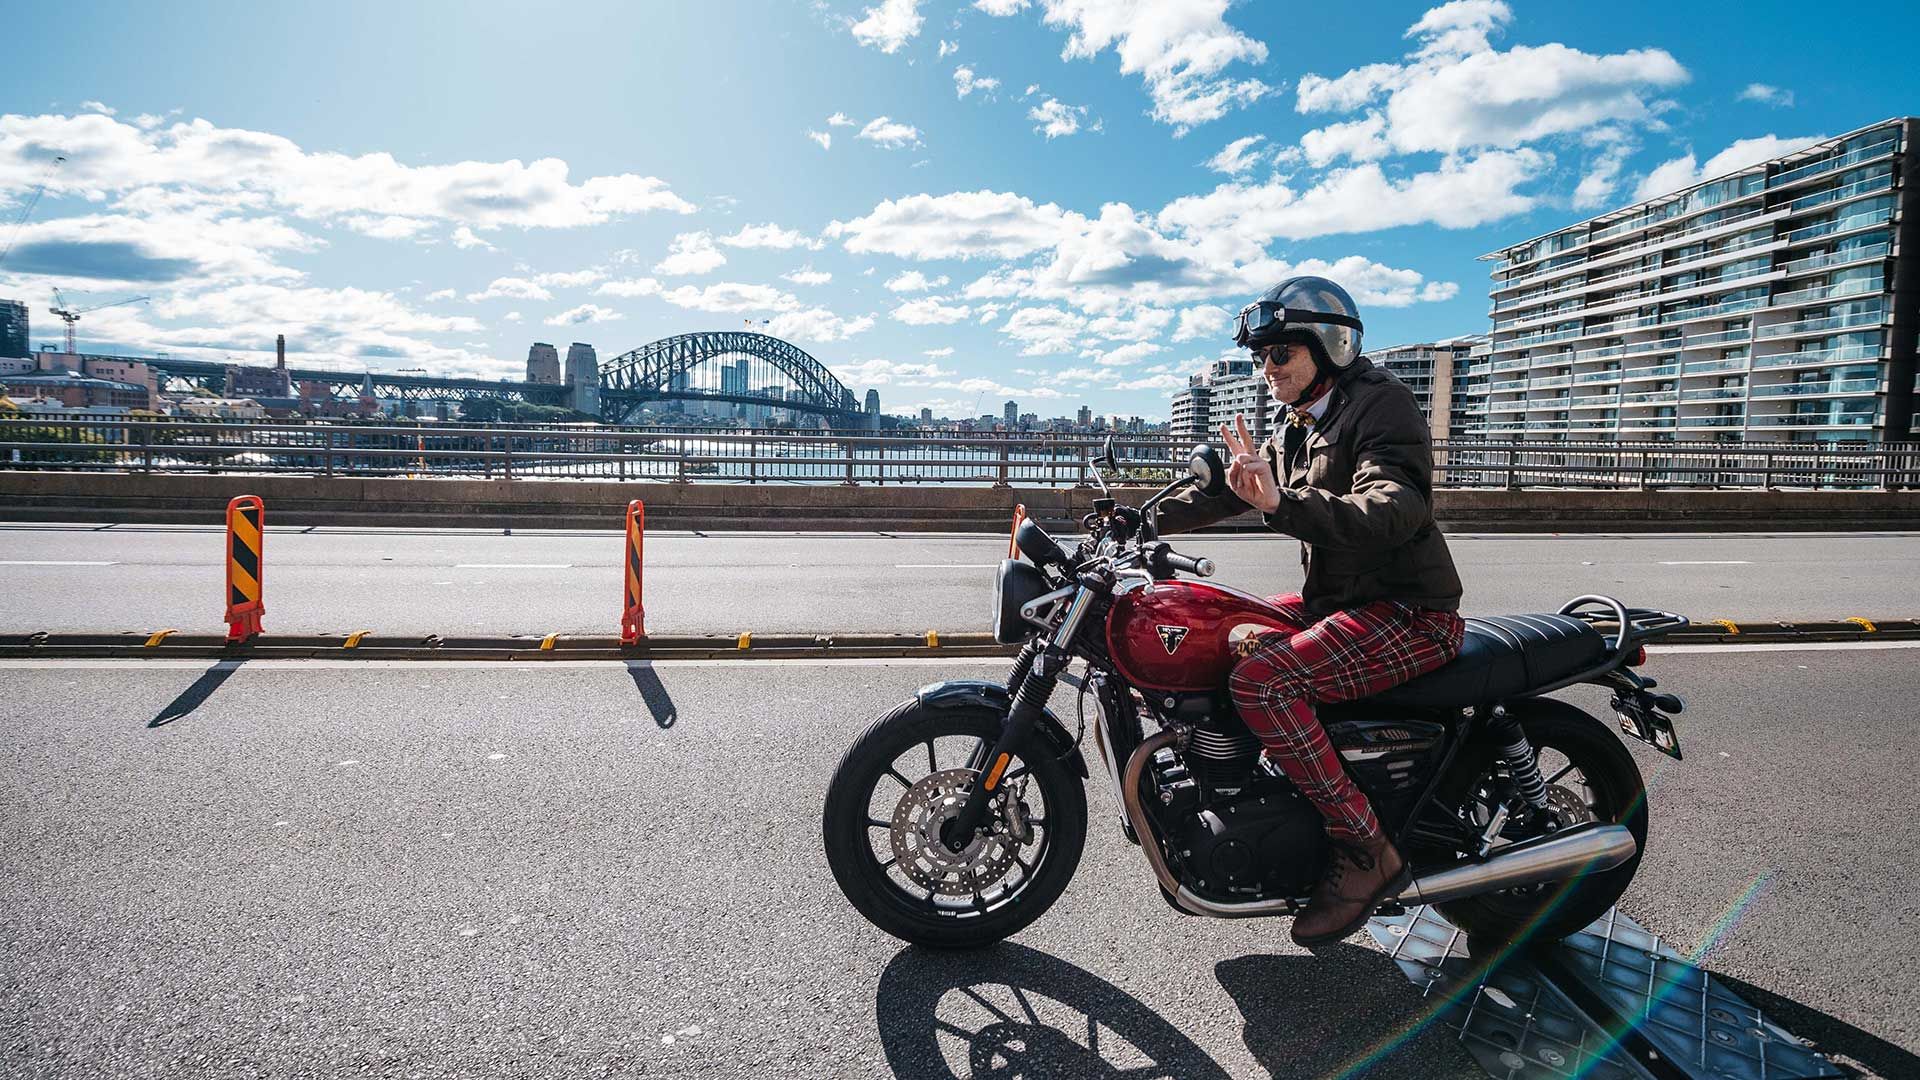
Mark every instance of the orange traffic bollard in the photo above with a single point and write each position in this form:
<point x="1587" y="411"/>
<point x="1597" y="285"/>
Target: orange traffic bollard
<point x="1013" y="538"/>
<point x="633" y="619"/>
<point x="246" y="527"/>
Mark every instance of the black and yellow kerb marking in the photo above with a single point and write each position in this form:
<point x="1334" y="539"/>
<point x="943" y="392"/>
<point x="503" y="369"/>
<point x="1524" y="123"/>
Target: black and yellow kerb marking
<point x="246" y="517"/>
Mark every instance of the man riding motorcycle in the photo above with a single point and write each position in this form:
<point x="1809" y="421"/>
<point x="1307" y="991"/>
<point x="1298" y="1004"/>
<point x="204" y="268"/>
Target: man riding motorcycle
<point x="1349" y="472"/>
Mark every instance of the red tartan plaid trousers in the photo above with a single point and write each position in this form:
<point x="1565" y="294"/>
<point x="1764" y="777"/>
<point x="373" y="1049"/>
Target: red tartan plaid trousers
<point x="1349" y="654"/>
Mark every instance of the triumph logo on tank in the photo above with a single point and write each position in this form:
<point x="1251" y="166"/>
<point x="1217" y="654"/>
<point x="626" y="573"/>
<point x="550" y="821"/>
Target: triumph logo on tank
<point x="1172" y="636"/>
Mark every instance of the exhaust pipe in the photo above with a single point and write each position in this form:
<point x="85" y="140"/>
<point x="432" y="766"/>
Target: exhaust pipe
<point x="1589" y="849"/>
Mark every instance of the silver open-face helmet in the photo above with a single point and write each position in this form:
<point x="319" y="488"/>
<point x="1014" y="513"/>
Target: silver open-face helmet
<point x="1310" y="311"/>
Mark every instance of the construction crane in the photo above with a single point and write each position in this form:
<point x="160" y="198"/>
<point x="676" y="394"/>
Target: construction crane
<point x="72" y="315"/>
<point x="27" y="210"/>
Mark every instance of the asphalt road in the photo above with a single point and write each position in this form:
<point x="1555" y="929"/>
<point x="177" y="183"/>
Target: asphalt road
<point x="328" y="580"/>
<point x="428" y="870"/>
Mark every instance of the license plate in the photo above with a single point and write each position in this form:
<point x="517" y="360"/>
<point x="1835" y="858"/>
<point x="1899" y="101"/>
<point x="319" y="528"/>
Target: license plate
<point x="1651" y="726"/>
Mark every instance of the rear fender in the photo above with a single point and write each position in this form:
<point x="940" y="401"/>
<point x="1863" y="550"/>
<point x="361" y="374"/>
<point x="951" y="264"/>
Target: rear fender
<point x="979" y="693"/>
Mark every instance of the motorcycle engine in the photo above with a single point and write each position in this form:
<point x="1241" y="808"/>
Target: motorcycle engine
<point x="1241" y="831"/>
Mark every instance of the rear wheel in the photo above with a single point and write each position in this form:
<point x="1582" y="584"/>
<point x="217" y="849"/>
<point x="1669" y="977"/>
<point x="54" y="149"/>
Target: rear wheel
<point x="905" y="777"/>
<point x="1590" y="778"/>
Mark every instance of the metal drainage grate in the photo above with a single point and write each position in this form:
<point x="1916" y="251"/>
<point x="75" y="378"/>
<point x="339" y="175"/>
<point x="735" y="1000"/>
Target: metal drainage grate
<point x="1609" y="1003"/>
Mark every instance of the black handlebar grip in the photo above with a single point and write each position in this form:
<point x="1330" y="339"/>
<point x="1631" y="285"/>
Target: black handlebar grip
<point x="1189" y="564"/>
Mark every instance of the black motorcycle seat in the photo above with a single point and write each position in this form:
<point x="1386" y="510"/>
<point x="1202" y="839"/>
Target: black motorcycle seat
<point x="1503" y="656"/>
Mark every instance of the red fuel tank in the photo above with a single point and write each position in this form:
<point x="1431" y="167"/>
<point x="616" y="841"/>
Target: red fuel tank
<point x="1183" y="635"/>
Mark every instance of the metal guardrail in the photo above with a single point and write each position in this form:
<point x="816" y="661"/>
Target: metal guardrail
<point x="906" y="458"/>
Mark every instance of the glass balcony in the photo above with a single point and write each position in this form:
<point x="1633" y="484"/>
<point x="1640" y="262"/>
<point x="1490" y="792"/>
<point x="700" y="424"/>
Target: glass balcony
<point x="1550" y="382"/>
<point x="1547" y="404"/>
<point x="1721" y="337"/>
<point x="1664" y="240"/>
<point x="1703" y="367"/>
<point x="1731" y="307"/>
<point x="1815" y="168"/>
<point x="1829" y="292"/>
<point x="1593" y="401"/>
<point x="1713" y="393"/>
<point x="1661" y="371"/>
<point x="1712" y="421"/>
<point x="1628" y="422"/>
<point x="1818" y="389"/>
<point x="1822" y="198"/>
<point x="1831" y="322"/>
<point x="1805" y="420"/>
<point x="1598" y="376"/>
<point x="1837" y="355"/>
<point x="1538" y="339"/>
<point x="1651" y="397"/>
<point x="1847" y="223"/>
<point x="1836" y="258"/>
<point x="1512" y="365"/>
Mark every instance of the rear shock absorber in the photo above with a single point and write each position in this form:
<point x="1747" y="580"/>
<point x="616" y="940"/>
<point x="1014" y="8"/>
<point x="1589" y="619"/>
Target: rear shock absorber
<point x="1517" y="753"/>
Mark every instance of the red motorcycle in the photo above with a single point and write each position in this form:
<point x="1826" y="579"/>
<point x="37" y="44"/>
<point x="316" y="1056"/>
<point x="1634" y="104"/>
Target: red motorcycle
<point x="959" y="817"/>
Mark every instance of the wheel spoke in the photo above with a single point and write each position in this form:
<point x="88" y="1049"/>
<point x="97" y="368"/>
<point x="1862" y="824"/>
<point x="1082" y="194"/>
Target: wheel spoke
<point x="895" y="773"/>
<point x="876" y="823"/>
<point x="1014" y="774"/>
<point x="1551" y="780"/>
<point x="887" y="863"/>
<point x="933" y="765"/>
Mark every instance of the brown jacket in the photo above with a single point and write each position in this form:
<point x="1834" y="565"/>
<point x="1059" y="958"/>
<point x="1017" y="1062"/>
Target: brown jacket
<point x="1359" y="496"/>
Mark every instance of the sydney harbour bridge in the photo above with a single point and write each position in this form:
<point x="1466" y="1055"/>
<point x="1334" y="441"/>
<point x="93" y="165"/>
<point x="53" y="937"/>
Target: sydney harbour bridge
<point x="730" y="372"/>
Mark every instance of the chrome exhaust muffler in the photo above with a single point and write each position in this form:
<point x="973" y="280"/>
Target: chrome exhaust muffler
<point x="1589" y="849"/>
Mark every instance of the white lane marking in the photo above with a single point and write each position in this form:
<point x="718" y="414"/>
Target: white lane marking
<point x="513" y="566"/>
<point x="898" y="661"/>
<point x="50" y="562"/>
<point x="1708" y="562"/>
<point x="943" y="566"/>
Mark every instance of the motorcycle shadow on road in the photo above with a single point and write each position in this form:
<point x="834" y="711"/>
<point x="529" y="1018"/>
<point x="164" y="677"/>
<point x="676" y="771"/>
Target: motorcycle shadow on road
<point x="1011" y="1011"/>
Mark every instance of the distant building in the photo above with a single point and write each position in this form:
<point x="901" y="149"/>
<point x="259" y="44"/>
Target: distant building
<point x="1244" y="394"/>
<point x="1194" y="412"/>
<point x="543" y="364"/>
<point x="13" y="328"/>
<point x="221" y="408"/>
<point x="1777" y="303"/>
<point x="926" y="416"/>
<point x="74" y="390"/>
<point x="1432" y="370"/>
<point x="1012" y="410"/>
<point x="1085" y="418"/>
<point x="583" y="375"/>
<point x="873" y="409"/>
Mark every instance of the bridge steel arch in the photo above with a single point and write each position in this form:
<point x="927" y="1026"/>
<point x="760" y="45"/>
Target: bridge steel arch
<point x="647" y="374"/>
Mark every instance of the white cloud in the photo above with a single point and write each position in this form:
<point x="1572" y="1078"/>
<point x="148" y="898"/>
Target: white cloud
<point x="1682" y="172"/>
<point x="1000" y="8"/>
<point x="825" y="139"/>
<point x="512" y="288"/>
<point x="1237" y="156"/>
<point x="890" y="26"/>
<point x="817" y="324"/>
<point x="585" y="313"/>
<point x="512" y="316"/>
<point x="441" y="294"/>
<point x="1153" y="382"/>
<point x="963" y="224"/>
<point x="940" y="353"/>
<point x="1461" y="193"/>
<point x="948" y="48"/>
<point x="95" y="106"/>
<point x="629" y="287"/>
<point x="840" y="119"/>
<point x="887" y="132"/>
<point x="385" y="228"/>
<point x="771" y="236"/>
<point x="1456" y="92"/>
<point x="1181" y="51"/>
<point x="731" y="296"/>
<point x="1054" y="118"/>
<point x="879" y="372"/>
<point x="913" y="281"/>
<point x="107" y="157"/>
<point x="807" y="275"/>
<point x="1204" y="322"/>
<point x="464" y="239"/>
<point x="1603" y="174"/>
<point x="965" y="82"/>
<point x="1767" y="95"/>
<point x="931" y="311"/>
<point x="691" y="253"/>
<point x="570" y="279"/>
<point x="1125" y="354"/>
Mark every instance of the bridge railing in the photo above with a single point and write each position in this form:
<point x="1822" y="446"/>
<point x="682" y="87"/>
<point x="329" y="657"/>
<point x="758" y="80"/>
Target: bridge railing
<point x="755" y="457"/>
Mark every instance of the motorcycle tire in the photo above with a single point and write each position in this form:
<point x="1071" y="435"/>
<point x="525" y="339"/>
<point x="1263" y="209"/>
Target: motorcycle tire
<point x="1551" y="912"/>
<point x="885" y="901"/>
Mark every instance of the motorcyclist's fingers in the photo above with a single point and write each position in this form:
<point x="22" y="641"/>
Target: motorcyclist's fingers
<point x="1226" y="436"/>
<point x="1240" y="424"/>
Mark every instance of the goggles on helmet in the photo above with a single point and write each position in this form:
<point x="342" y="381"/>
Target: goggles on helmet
<point x="1267" y="318"/>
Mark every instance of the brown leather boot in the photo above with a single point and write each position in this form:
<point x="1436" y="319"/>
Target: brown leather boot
<point x="1359" y="876"/>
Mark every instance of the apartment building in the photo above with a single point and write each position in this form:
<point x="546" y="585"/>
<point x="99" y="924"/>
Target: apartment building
<point x="1438" y="374"/>
<point x="1777" y="303"/>
<point x="1192" y="417"/>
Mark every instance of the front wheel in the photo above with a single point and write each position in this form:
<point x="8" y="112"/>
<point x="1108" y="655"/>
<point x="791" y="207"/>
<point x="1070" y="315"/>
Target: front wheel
<point x="904" y="778"/>
<point x="1590" y="778"/>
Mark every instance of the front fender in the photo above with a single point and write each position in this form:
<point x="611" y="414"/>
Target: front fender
<point x="980" y="693"/>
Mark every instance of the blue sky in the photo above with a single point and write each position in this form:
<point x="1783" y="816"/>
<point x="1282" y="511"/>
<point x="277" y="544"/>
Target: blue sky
<point x="439" y="185"/>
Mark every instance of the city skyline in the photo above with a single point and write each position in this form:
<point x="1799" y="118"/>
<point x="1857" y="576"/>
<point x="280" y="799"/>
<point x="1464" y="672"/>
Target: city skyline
<point x="1056" y="203"/>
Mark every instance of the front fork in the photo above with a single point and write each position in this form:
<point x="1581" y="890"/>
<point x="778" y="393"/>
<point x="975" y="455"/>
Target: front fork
<point x="1035" y="674"/>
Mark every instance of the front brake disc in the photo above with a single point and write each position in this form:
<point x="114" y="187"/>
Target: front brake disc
<point x="919" y="853"/>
